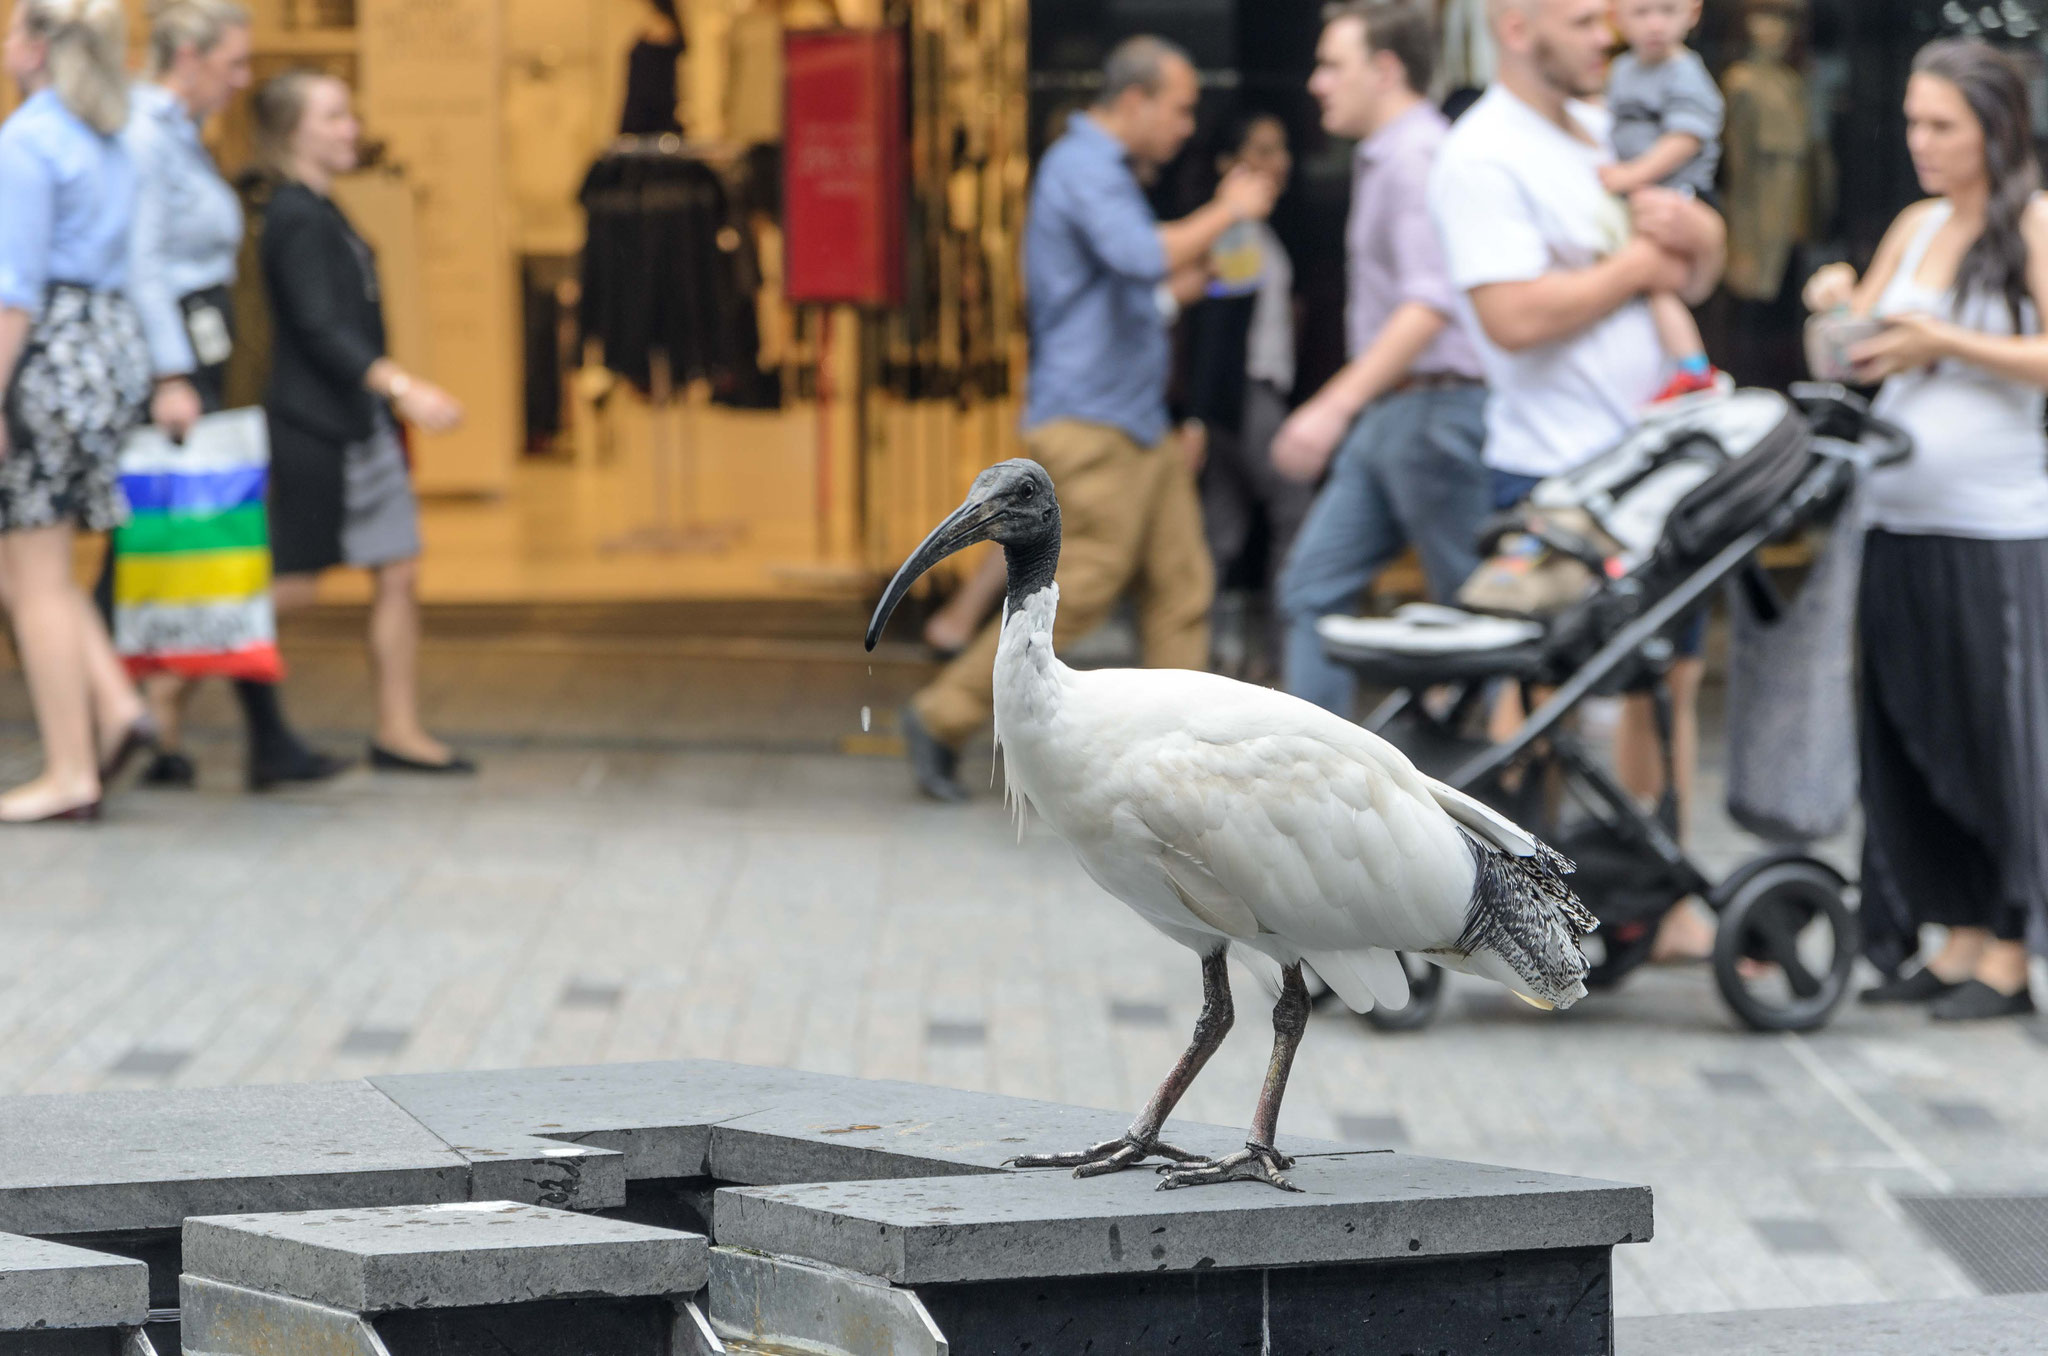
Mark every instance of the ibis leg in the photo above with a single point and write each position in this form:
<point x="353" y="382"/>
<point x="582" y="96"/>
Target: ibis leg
<point x="1141" y="1141"/>
<point x="1259" y="1161"/>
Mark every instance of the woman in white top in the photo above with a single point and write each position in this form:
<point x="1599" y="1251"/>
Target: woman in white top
<point x="1955" y="585"/>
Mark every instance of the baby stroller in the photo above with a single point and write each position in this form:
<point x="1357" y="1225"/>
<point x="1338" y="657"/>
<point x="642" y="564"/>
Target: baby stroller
<point x="1633" y="545"/>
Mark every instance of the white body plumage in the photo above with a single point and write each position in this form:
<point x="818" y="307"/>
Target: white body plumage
<point x="1220" y="810"/>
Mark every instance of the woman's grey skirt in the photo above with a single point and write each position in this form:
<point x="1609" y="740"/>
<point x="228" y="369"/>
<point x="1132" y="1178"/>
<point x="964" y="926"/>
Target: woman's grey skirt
<point x="1954" y="735"/>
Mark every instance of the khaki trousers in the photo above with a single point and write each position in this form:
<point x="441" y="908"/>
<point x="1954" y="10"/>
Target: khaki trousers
<point x="1131" y="521"/>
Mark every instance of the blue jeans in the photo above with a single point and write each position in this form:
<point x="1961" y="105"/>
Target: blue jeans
<point x="1408" y="472"/>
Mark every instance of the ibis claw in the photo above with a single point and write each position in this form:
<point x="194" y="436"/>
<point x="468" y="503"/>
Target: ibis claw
<point x="1114" y="1155"/>
<point x="1253" y="1163"/>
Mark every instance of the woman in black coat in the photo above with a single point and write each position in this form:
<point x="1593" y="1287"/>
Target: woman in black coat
<point x="340" y="489"/>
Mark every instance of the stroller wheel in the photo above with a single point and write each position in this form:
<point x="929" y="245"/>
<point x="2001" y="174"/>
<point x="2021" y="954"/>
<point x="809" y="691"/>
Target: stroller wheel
<point x="1425" y="999"/>
<point x="1788" y="939"/>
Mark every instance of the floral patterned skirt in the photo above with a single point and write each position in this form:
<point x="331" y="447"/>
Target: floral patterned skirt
<point x="82" y="384"/>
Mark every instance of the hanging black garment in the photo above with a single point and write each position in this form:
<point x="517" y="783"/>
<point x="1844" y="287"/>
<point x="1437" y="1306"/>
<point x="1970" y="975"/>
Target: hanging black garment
<point x="651" y="89"/>
<point x="664" y="269"/>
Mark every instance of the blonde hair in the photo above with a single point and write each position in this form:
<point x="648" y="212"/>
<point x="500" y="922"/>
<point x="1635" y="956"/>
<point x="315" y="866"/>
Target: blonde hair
<point x="87" y="56"/>
<point x="198" y="24"/>
<point x="280" y="108"/>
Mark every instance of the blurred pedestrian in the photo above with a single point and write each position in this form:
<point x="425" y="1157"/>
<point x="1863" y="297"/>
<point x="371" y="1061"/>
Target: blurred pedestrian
<point x="1105" y="280"/>
<point x="1405" y="420"/>
<point x="1238" y="386"/>
<point x="340" y="489"/>
<point x="1954" y="609"/>
<point x="187" y="234"/>
<point x="1556" y="275"/>
<point x="79" y="382"/>
<point x="1667" y="114"/>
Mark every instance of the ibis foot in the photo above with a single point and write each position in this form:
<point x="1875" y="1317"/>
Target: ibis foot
<point x="1114" y="1155"/>
<point x="1253" y="1163"/>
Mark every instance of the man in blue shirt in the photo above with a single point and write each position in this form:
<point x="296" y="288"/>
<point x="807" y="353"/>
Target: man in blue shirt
<point x="1105" y="281"/>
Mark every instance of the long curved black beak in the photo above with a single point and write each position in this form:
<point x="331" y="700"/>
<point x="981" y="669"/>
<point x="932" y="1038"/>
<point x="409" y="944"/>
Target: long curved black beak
<point x="964" y="527"/>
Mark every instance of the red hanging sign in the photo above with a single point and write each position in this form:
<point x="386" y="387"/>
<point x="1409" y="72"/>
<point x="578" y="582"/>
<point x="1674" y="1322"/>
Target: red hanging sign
<point x="845" y="166"/>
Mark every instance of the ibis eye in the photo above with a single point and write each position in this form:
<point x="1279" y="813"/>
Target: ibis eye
<point x="1026" y="492"/>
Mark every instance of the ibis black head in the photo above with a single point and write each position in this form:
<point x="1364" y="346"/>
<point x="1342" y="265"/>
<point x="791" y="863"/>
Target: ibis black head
<point x="1011" y="503"/>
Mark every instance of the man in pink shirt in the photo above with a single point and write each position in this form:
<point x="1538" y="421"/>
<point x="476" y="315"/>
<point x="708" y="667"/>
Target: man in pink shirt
<point x="1400" y="429"/>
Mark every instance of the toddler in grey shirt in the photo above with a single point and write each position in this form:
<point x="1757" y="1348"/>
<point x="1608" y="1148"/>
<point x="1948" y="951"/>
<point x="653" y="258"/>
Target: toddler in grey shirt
<point x="1667" y="130"/>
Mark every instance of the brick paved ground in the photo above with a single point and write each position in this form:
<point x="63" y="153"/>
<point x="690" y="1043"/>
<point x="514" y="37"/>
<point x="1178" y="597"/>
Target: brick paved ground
<point x="667" y="857"/>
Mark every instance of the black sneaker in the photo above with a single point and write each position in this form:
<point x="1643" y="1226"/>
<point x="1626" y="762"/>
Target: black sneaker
<point x="296" y="764"/>
<point x="935" y="766"/>
<point x="1975" y="1001"/>
<point x="170" y="772"/>
<point x="1922" y="986"/>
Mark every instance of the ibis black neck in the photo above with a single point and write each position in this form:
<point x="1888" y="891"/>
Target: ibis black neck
<point x="1032" y="565"/>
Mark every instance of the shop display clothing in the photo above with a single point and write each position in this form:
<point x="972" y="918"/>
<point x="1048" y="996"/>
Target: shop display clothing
<point x="1131" y="519"/>
<point x="1768" y="181"/>
<point x="664" y="268"/>
<point x="650" y="107"/>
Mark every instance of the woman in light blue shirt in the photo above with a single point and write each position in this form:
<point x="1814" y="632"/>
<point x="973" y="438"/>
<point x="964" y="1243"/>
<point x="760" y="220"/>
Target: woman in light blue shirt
<point x="182" y="252"/>
<point x="78" y="382"/>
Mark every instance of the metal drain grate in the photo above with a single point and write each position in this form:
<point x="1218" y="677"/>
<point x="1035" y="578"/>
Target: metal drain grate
<point x="2000" y="1242"/>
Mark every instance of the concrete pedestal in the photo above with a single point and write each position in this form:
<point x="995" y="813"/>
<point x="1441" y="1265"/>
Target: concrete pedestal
<point x="892" y="1199"/>
<point x="1377" y="1252"/>
<point x="493" y="1277"/>
<point x="63" y="1301"/>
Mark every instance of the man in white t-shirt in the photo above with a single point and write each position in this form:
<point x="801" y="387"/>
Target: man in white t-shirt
<point x="1556" y="276"/>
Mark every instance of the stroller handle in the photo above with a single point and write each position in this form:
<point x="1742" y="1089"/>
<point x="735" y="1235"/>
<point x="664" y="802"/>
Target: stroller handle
<point x="1837" y="411"/>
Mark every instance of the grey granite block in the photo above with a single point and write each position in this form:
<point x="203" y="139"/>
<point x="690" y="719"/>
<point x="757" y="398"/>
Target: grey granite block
<point x="2004" y="1326"/>
<point x="737" y="1123"/>
<point x="449" y="1256"/>
<point x="1352" y="1208"/>
<point x="122" y="1161"/>
<point x="853" y="1130"/>
<point x="655" y="1119"/>
<point x="51" y="1285"/>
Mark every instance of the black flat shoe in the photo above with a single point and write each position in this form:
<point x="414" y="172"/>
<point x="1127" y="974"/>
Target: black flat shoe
<point x="296" y="765"/>
<point x="1975" y="1001"/>
<point x="935" y="766"/>
<point x="139" y="736"/>
<point x="170" y="772"/>
<point x="1922" y="986"/>
<point x="384" y="760"/>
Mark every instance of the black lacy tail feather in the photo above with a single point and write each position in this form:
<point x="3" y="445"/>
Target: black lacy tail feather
<point x="1524" y="911"/>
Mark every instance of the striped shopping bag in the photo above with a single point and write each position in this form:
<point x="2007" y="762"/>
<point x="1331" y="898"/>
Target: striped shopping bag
<point x="192" y="567"/>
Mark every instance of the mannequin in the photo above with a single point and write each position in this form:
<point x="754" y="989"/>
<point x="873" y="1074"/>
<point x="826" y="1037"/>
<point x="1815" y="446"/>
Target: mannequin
<point x="1769" y="155"/>
<point x="651" y="74"/>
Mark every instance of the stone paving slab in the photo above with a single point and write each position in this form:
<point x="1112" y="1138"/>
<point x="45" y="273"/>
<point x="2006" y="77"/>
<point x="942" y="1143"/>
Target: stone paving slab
<point x="447" y="1256"/>
<point x="2006" y="1326"/>
<point x="1351" y="1208"/>
<point x="757" y="1126"/>
<point x="109" y="1162"/>
<point x="52" y="1285"/>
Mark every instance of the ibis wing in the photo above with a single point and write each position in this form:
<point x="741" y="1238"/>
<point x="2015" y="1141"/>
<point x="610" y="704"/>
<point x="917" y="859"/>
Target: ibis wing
<point x="1291" y="835"/>
<point x="1484" y="822"/>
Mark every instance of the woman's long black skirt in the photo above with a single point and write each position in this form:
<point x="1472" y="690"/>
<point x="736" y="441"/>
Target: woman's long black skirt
<point x="1954" y="734"/>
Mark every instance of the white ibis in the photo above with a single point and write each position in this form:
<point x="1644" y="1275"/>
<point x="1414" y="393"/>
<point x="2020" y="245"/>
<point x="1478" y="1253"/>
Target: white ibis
<point x="1229" y="815"/>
